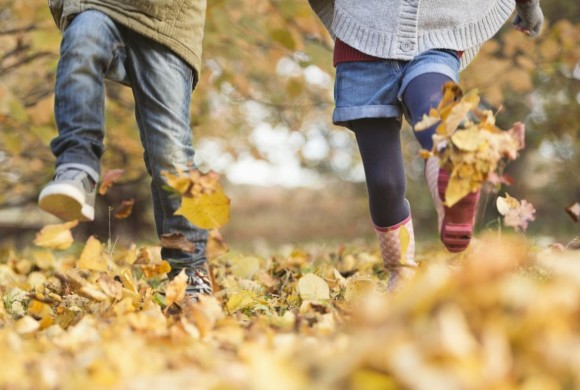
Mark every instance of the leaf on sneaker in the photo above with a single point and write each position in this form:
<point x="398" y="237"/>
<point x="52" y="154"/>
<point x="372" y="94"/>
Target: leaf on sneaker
<point x="56" y="236"/>
<point x="92" y="257"/>
<point x="574" y="211"/>
<point x="207" y="211"/>
<point x="177" y="241"/>
<point x="109" y="178"/>
<point x="125" y="209"/>
<point x="312" y="287"/>
<point x="176" y="289"/>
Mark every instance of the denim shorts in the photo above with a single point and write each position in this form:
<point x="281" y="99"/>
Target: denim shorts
<point x="374" y="89"/>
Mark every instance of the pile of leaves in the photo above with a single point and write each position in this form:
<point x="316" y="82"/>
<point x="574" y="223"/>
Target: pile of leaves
<point x="504" y="315"/>
<point x="467" y="142"/>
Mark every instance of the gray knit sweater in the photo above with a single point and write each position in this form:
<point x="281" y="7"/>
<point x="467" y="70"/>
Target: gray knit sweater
<point x="401" y="29"/>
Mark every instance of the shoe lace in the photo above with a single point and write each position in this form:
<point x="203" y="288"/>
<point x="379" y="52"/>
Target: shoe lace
<point x="198" y="283"/>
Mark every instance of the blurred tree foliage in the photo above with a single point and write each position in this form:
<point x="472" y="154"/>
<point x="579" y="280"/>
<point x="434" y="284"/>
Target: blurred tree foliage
<point x="270" y="61"/>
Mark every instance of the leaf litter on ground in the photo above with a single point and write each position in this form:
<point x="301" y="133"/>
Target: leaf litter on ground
<point x="504" y="315"/>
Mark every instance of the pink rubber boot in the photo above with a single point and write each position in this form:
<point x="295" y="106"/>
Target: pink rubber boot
<point x="455" y="223"/>
<point x="397" y="245"/>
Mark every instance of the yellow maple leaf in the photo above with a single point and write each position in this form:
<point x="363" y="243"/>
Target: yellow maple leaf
<point x="92" y="256"/>
<point x="56" y="236"/>
<point x="457" y="189"/>
<point x="207" y="211"/>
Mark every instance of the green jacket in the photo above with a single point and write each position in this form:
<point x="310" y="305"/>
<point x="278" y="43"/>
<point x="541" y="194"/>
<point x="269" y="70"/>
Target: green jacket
<point x="177" y="24"/>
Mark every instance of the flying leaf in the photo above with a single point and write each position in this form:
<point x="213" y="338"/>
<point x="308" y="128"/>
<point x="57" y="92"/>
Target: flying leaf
<point x="574" y="211"/>
<point x="313" y="287"/>
<point x="125" y="209"/>
<point x="109" y="178"/>
<point x="92" y="257"/>
<point x="207" y="211"/>
<point x="427" y="121"/>
<point x="467" y="140"/>
<point x="56" y="236"/>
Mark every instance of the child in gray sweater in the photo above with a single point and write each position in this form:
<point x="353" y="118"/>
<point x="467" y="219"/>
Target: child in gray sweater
<point x="392" y="58"/>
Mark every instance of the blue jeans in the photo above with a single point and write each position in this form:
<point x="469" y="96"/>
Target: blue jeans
<point x="93" y="48"/>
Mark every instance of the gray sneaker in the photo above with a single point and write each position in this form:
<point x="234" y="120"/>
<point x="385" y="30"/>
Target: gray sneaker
<point x="70" y="195"/>
<point x="198" y="283"/>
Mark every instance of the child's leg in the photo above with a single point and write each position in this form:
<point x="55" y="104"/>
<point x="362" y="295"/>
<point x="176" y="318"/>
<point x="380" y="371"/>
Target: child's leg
<point x="89" y="45"/>
<point x="162" y="84"/>
<point x="455" y="223"/>
<point x="380" y="147"/>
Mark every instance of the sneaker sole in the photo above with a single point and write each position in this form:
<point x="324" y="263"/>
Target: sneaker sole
<point x="66" y="202"/>
<point x="458" y="220"/>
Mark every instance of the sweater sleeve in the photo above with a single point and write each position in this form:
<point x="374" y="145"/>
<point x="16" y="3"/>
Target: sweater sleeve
<point x="324" y="9"/>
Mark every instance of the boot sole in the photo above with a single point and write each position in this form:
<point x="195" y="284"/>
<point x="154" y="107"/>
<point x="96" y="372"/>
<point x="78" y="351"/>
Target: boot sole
<point x="458" y="220"/>
<point x="66" y="202"/>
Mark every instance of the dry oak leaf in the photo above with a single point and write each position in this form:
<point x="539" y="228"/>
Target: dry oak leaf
<point x="109" y="179"/>
<point x="56" y="236"/>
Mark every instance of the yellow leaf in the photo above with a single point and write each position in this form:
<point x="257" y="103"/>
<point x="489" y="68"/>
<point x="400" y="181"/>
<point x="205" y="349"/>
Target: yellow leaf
<point x="457" y="189"/>
<point x="426" y="122"/>
<point x="467" y="140"/>
<point x="207" y="211"/>
<point x="313" y="287"/>
<point x="176" y="288"/>
<point x="92" y="256"/>
<point x="56" y="236"/>
<point x="244" y="267"/>
<point x="156" y="269"/>
<point x="242" y="300"/>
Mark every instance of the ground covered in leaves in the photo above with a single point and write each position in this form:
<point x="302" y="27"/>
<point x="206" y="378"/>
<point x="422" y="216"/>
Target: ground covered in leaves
<point x="506" y="314"/>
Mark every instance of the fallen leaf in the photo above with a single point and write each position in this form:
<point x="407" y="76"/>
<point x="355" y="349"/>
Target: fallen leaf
<point x="92" y="257"/>
<point x="56" y="236"/>
<point x="313" y="287"/>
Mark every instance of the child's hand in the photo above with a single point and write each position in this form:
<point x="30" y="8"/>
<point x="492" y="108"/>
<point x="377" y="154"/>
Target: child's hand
<point x="529" y="18"/>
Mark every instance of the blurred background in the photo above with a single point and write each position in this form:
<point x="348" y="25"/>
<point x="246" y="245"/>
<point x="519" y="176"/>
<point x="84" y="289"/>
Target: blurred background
<point x="261" y="118"/>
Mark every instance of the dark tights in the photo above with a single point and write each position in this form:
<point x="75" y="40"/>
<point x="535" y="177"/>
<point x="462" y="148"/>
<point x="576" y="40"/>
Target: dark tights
<point x="379" y="143"/>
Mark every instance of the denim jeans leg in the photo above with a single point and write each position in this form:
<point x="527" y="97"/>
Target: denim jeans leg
<point x="87" y="51"/>
<point x="162" y="85"/>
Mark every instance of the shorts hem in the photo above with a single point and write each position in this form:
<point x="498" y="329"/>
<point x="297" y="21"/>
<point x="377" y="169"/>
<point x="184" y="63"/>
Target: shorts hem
<point x="343" y="115"/>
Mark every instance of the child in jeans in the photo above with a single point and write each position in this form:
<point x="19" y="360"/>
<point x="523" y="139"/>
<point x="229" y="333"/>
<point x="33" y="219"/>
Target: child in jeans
<point x="392" y="57"/>
<point x="155" y="48"/>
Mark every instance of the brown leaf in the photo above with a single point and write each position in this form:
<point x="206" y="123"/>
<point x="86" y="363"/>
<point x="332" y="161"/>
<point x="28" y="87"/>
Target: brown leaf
<point x="109" y="178"/>
<point x="124" y="209"/>
<point x="177" y="241"/>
